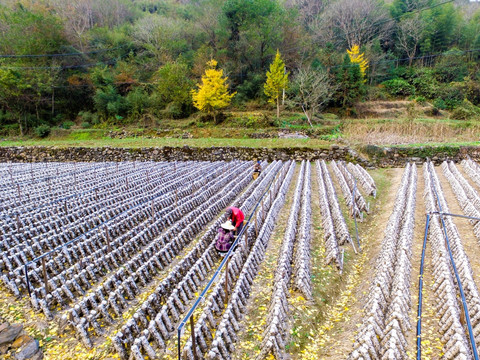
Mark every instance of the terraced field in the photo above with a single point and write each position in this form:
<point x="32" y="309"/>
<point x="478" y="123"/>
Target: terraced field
<point x="117" y="260"/>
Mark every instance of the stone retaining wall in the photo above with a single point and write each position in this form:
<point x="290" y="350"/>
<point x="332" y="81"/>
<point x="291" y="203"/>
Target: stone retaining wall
<point x="371" y="156"/>
<point x="48" y="154"/>
<point x="399" y="156"/>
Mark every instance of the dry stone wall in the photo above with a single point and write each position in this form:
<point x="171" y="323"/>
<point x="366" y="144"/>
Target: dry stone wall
<point x="46" y="154"/>
<point x="368" y="156"/>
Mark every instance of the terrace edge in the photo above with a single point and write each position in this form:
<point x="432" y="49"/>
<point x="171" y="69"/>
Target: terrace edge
<point x="368" y="155"/>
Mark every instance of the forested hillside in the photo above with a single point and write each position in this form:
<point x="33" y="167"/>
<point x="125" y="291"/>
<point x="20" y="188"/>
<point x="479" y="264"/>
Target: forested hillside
<point x="97" y="62"/>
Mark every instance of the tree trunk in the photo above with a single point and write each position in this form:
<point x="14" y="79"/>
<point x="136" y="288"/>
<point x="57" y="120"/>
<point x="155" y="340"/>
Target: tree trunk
<point x="20" y="124"/>
<point x="214" y="117"/>
<point x="308" y="117"/>
<point x="278" y="107"/>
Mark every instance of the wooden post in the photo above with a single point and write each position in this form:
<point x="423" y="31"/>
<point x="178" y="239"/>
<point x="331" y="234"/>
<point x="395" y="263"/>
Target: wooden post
<point x="226" y="281"/>
<point x="153" y="210"/>
<point x="19" y="192"/>
<point x="66" y="208"/>
<point x="107" y="234"/>
<point x="263" y="213"/>
<point x="194" y="342"/>
<point x="256" y="225"/>
<point x="18" y="222"/>
<point x="45" y="278"/>
<point x="176" y="197"/>
<point x="117" y="167"/>
<point x="126" y="181"/>
<point x="96" y="194"/>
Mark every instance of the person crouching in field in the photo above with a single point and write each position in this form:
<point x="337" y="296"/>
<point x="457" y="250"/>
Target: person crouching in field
<point x="225" y="238"/>
<point x="257" y="168"/>
<point x="235" y="215"/>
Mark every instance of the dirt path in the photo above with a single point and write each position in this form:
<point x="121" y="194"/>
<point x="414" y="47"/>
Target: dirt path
<point x="335" y="335"/>
<point x="252" y="326"/>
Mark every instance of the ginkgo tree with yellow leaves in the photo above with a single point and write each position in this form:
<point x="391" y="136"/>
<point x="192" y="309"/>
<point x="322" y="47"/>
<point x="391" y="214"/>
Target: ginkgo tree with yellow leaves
<point x="277" y="81"/>
<point x="358" y="58"/>
<point x="212" y="93"/>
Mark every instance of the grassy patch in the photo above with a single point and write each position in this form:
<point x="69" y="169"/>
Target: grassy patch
<point x="158" y="142"/>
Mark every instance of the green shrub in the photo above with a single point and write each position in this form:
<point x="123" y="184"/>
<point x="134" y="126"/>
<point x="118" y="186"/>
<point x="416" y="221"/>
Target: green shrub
<point x="42" y="131"/>
<point x="58" y="119"/>
<point x="85" y="125"/>
<point x="399" y="87"/>
<point x="472" y="91"/>
<point x="9" y="130"/>
<point x="425" y="83"/>
<point x="466" y="110"/>
<point x="452" y="66"/>
<point x="173" y="111"/>
<point x="68" y="124"/>
<point x="439" y="104"/>
<point x="87" y="116"/>
<point x="453" y="95"/>
<point x="421" y="100"/>
<point x="376" y="93"/>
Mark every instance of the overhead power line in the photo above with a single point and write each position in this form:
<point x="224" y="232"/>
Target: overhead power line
<point x="6" y="56"/>
<point x="461" y="52"/>
<point x="404" y="14"/>
<point x="62" y="67"/>
<point x="378" y="23"/>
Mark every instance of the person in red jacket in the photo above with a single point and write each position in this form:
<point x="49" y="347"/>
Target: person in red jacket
<point x="236" y="216"/>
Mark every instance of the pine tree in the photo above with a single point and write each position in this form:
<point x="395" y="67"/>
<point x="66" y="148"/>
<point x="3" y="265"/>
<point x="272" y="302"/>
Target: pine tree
<point x="351" y="85"/>
<point x="277" y="80"/>
<point x="212" y="93"/>
<point x="357" y="58"/>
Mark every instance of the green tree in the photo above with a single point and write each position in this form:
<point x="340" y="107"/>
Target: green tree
<point x="108" y="102"/>
<point x="277" y="81"/>
<point x="24" y="92"/>
<point x="254" y="29"/>
<point x="212" y="93"/>
<point x="173" y="87"/>
<point x="440" y="25"/>
<point x="350" y="83"/>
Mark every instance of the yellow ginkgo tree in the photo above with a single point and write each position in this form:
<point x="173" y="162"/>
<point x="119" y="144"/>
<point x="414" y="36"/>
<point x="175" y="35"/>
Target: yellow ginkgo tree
<point x="212" y="93"/>
<point x="358" y="58"/>
<point x="277" y="81"/>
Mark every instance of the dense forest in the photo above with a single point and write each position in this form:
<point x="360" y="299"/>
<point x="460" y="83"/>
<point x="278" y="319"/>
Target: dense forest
<point x="100" y="62"/>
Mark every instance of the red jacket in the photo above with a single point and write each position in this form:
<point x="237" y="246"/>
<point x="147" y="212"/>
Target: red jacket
<point x="237" y="216"/>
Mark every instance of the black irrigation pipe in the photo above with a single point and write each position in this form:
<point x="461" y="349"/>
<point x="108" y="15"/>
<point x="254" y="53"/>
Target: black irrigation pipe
<point x="459" y="282"/>
<point x="220" y="267"/>
<point x="83" y="236"/>
<point x="454" y="215"/>
<point x="420" y="279"/>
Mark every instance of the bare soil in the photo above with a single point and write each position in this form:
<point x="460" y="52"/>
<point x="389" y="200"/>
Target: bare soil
<point x="324" y="328"/>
